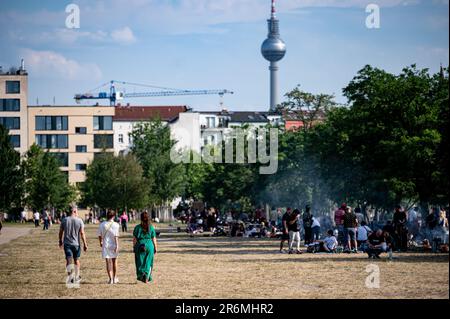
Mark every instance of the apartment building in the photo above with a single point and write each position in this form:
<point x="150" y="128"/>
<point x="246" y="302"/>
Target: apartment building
<point x="74" y="134"/>
<point x="126" y="118"/>
<point x="13" y="105"/>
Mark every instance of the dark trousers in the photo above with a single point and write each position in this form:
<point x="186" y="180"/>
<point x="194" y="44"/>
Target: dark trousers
<point x="315" y="233"/>
<point x="124" y="227"/>
<point x="402" y="239"/>
<point x="308" y="235"/>
<point x="46" y="224"/>
<point x="36" y="223"/>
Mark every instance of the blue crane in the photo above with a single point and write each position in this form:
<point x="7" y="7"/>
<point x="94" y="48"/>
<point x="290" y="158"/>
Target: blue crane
<point x="113" y="96"/>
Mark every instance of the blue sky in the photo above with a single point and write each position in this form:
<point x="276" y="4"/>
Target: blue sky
<point x="206" y="44"/>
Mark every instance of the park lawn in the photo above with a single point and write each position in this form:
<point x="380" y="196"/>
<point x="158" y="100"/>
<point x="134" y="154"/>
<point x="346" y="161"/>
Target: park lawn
<point x="204" y="267"/>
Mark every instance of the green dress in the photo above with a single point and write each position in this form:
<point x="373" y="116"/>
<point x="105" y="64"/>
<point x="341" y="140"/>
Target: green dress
<point x="144" y="260"/>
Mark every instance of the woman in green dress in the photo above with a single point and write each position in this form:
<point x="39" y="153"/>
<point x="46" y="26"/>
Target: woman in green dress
<point x="144" y="246"/>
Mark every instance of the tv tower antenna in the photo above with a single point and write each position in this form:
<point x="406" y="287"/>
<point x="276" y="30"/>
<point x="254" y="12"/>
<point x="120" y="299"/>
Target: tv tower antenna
<point x="273" y="50"/>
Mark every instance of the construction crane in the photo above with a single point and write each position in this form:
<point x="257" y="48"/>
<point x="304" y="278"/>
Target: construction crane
<point x="113" y="96"/>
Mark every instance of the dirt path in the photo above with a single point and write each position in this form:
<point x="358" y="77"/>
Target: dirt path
<point x="11" y="233"/>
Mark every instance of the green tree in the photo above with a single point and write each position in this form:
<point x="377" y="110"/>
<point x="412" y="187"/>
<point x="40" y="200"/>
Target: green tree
<point x="115" y="183"/>
<point x="306" y="107"/>
<point x="46" y="186"/>
<point x="11" y="174"/>
<point x="152" y="145"/>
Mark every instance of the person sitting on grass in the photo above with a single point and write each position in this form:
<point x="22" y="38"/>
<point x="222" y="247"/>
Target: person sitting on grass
<point x="329" y="243"/>
<point x="376" y="244"/>
<point x="363" y="233"/>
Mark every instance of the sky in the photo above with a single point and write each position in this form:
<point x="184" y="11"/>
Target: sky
<point x="214" y="44"/>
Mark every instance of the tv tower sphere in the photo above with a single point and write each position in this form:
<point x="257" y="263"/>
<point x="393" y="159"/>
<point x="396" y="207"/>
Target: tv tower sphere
<point x="273" y="50"/>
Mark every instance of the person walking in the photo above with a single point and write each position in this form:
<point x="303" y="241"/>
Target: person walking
<point x="284" y="228"/>
<point x="124" y="221"/>
<point x="294" y="231"/>
<point x="145" y="248"/>
<point x="315" y="228"/>
<point x="23" y="216"/>
<point x="400" y="228"/>
<point x="46" y="219"/>
<point x="307" y="225"/>
<point x="108" y="236"/>
<point x="350" y="226"/>
<point x="36" y="218"/>
<point x="71" y="229"/>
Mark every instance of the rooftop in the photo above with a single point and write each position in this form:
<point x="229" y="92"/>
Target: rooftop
<point x="142" y="113"/>
<point x="248" y="117"/>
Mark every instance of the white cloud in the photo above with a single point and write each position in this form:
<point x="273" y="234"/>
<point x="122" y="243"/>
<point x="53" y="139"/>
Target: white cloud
<point x="123" y="36"/>
<point x="50" y="64"/>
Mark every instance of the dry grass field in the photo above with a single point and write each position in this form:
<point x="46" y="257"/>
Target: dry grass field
<point x="203" y="267"/>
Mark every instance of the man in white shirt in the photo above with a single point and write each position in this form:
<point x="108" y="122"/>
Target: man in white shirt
<point x="23" y="216"/>
<point x="363" y="233"/>
<point x="36" y="218"/>
<point x="315" y="228"/>
<point x="330" y="242"/>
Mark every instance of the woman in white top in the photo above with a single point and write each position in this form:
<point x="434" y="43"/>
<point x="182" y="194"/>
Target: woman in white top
<point x="108" y="235"/>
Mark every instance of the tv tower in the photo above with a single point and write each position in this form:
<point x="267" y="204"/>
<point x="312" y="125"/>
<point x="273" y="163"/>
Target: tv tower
<point x="273" y="49"/>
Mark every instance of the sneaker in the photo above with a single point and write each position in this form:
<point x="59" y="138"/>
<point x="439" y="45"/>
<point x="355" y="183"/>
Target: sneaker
<point x="116" y="280"/>
<point x="77" y="280"/>
<point x="299" y="252"/>
<point x="110" y="281"/>
<point x="290" y="252"/>
<point x="282" y="252"/>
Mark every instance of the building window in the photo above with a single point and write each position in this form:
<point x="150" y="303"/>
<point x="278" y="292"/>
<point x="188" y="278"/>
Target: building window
<point x="103" y="141"/>
<point x="10" y="105"/>
<point x="12" y="87"/>
<point x="80" y="167"/>
<point x="11" y="123"/>
<point x="52" y="123"/>
<point x="102" y="123"/>
<point x="211" y="122"/>
<point x="52" y="141"/>
<point x="15" y="140"/>
<point x="81" y="149"/>
<point x="120" y="138"/>
<point x="63" y="158"/>
<point x="80" y="130"/>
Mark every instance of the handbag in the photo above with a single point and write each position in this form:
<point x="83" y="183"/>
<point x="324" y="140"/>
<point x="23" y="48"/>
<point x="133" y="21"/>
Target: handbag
<point x="142" y="248"/>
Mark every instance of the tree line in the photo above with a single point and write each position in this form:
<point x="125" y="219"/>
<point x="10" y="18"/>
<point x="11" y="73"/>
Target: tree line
<point x="387" y="146"/>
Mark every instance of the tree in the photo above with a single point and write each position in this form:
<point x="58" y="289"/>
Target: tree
<point x="383" y="149"/>
<point x="307" y="107"/>
<point x="115" y="183"/>
<point x="152" y="144"/>
<point x="11" y="174"/>
<point x="46" y="186"/>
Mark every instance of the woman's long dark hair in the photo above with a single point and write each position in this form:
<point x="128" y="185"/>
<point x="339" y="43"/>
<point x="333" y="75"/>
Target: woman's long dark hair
<point x="145" y="222"/>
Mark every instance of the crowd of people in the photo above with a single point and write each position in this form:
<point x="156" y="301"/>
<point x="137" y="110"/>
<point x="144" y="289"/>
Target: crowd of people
<point x="348" y="230"/>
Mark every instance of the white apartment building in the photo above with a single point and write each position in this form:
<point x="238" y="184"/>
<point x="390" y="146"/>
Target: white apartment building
<point x="126" y="117"/>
